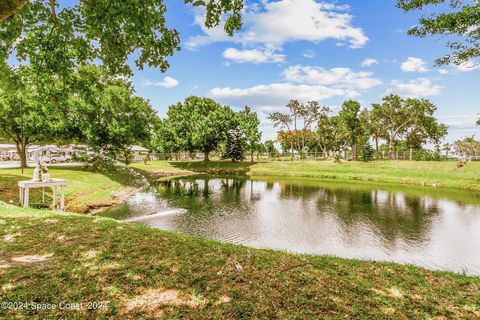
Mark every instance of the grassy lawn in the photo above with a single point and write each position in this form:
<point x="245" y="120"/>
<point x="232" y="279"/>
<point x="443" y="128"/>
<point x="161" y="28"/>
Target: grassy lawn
<point x="423" y="173"/>
<point x="84" y="188"/>
<point x="138" y="272"/>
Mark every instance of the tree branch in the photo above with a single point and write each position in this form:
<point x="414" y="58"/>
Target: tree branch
<point x="54" y="14"/>
<point x="9" y="8"/>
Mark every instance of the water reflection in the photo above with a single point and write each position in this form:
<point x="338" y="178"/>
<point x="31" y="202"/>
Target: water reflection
<point x="342" y="220"/>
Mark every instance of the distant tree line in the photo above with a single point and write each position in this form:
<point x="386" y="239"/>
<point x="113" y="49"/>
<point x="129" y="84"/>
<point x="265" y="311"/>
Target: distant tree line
<point x="396" y="121"/>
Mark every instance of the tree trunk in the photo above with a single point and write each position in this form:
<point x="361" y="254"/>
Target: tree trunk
<point x="126" y="155"/>
<point x="251" y="155"/>
<point x="22" y="152"/>
<point x="354" y="152"/>
<point x="411" y="154"/>
<point x="390" y="148"/>
<point x="206" y="156"/>
<point x="376" y="146"/>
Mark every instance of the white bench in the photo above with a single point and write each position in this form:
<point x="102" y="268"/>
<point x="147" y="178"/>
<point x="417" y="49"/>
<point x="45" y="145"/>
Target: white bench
<point x="25" y="186"/>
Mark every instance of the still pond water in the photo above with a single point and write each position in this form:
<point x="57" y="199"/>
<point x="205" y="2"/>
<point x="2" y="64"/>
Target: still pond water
<point x="432" y="229"/>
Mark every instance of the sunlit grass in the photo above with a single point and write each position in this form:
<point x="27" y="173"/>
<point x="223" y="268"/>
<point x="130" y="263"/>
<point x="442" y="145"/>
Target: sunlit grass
<point x="83" y="186"/>
<point x="141" y="273"/>
<point x="443" y="174"/>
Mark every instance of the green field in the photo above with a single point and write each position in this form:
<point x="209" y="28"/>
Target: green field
<point x="443" y="174"/>
<point x="142" y="273"/>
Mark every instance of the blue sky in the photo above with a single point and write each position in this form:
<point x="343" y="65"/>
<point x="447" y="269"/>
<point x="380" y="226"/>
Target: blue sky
<point x="312" y="50"/>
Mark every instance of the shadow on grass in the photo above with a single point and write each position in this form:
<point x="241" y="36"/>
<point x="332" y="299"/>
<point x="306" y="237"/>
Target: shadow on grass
<point x="116" y="174"/>
<point x="214" y="167"/>
<point x="9" y="191"/>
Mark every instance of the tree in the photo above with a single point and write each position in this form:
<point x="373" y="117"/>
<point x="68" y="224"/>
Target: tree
<point x="249" y="122"/>
<point x="269" y="147"/>
<point x="107" y="116"/>
<point x="350" y="116"/>
<point x="366" y="152"/>
<point x="447" y="147"/>
<point x="412" y="119"/>
<point x="308" y="113"/>
<point x="330" y="134"/>
<point x="201" y="124"/>
<point x="467" y="147"/>
<point x="58" y="36"/>
<point x="461" y="21"/>
<point x="283" y="121"/>
<point x="235" y="145"/>
<point x="23" y="117"/>
<point x="164" y="139"/>
<point x="373" y="127"/>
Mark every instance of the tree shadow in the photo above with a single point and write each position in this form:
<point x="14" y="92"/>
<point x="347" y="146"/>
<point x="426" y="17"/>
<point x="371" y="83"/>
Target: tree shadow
<point x="214" y="167"/>
<point x="115" y="174"/>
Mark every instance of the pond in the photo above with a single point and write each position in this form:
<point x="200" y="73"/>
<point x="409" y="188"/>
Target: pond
<point x="434" y="229"/>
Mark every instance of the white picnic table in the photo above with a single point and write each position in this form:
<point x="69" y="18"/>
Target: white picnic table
<point x="25" y="186"/>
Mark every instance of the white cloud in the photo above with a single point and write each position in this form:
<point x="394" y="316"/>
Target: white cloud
<point x="443" y="71"/>
<point x="309" y="54"/>
<point x="272" y="24"/>
<point x="468" y="66"/>
<point x="421" y="87"/>
<point x="301" y="82"/>
<point x="413" y="64"/>
<point x="167" y="82"/>
<point x="253" y="56"/>
<point x="276" y="94"/>
<point x="335" y="77"/>
<point x="368" y="62"/>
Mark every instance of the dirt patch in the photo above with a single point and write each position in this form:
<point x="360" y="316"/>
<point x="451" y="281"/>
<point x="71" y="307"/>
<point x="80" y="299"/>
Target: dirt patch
<point x="4" y="264"/>
<point x="50" y="221"/>
<point x="222" y="300"/>
<point x="32" y="259"/>
<point x="152" y="299"/>
<point x="9" y="238"/>
<point x="90" y="254"/>
<point x="117" y="198"/>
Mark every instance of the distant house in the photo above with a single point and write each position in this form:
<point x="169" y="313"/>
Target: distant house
<point x="7" y="151"/>
<point x="138" y="153"/>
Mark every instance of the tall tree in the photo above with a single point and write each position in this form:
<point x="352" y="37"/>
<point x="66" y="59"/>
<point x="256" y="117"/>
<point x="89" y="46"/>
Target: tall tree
<point x="350" y="116"/>
<point x="299" y="121"/>
<point x="373" y="127"/>
<point x="107" y="116"/>
<point x="269" y="147"/>
<point x="164" y="139"/>
<point x="235" y="145"/>
<point x="249" y="122"/>
<point x="411" y="119"/>
<point x="24" y="119"/>
<point x="201" y="123"/>
<point x="460" y="21"/>
<point x="331" y="134"/>
<point x="283" y="121"/>
<point x="309" y="113"/>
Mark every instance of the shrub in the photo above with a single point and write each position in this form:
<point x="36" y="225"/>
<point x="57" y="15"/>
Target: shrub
<point x="366" y="152"/>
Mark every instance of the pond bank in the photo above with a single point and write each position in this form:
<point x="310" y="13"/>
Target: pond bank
<point x="429" y="174"/>
<point x="141" y="272"/>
